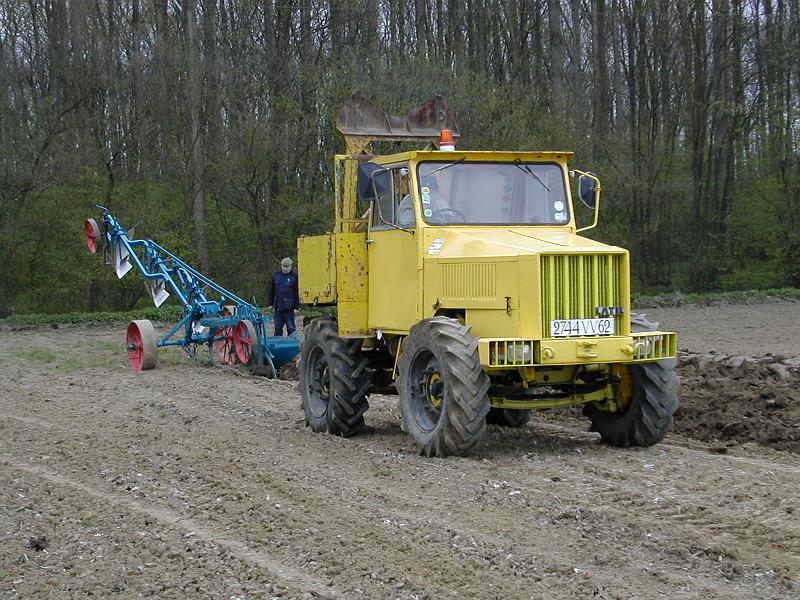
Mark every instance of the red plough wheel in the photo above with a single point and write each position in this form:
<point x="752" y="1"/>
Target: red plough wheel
<point x="142" y="345"/>
<point x="245" y="340"/>
<point x="93" y="236"/>
<point x="226" y="353"/>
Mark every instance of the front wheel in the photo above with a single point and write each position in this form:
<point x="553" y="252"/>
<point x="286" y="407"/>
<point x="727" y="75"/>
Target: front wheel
<point x="443" y="388"/>
<point x="647" y="397"/>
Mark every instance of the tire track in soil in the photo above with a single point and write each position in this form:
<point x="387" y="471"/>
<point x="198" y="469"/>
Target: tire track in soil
<point x="679" y="444"/>
<point x="378" y="538"/>
<point x="696" y="530"/>
<point x="286" y="575"/>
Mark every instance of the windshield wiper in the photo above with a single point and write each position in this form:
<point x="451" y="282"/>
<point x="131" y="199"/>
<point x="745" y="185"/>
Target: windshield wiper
<point x="520" y="165"/>
<point x="442" y="168"/>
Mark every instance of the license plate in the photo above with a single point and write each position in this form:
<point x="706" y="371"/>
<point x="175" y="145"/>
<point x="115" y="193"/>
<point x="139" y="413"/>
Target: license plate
<point x="581" y="327"/>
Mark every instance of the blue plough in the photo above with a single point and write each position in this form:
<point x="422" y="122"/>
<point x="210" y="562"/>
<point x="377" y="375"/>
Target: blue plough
<point x="235" y="328"/>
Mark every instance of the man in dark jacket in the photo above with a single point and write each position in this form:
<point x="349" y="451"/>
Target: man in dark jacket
<point x="284" y="297"/>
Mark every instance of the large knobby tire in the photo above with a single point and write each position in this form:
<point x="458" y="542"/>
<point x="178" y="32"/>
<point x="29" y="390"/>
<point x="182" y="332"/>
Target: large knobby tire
<point x="334" y="380"/>
<point x="507" y="417"/>
<point x="654" y="399"/>
<point x="443" y="388"/>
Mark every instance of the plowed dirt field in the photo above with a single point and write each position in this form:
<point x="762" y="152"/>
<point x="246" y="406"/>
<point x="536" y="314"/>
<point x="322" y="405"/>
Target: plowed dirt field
<point x="195" y="481"/>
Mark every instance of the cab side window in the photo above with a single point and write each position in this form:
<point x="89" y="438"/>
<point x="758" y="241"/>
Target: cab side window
<point x="391" y="209"/>
<point x="383" y="208"/>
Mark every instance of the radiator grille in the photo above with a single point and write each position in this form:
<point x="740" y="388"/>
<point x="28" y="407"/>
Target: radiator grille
<point x="469" y="281"/>
<point x="573" y="286"/>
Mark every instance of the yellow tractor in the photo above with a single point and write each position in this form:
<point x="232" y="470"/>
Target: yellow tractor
<point x="460" y="281"/>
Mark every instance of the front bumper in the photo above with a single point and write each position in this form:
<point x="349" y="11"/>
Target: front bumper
<point x="635" y="348"/>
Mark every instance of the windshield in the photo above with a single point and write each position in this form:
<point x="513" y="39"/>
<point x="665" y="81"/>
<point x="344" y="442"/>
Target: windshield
<point x="510" y="193"/>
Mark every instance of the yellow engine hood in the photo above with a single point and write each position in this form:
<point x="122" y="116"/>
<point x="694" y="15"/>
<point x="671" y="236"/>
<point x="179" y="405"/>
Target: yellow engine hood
<point x="489" y="242"/>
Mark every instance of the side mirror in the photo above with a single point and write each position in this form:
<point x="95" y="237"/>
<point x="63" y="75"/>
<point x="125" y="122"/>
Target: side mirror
<point x="373" y="181"/>
<point x="589" y="192"/>
<point x="586" y="190"/>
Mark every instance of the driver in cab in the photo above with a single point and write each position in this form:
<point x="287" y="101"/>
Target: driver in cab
<point x="435" y="206"/>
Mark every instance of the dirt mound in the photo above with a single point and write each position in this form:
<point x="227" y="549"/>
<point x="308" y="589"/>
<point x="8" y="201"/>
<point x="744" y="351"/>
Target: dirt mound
<point x="734" y="399"/>
<point x="289" y="372"/>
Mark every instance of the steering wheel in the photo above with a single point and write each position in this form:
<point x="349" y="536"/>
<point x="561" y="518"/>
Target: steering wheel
<point x="446" y="210"/>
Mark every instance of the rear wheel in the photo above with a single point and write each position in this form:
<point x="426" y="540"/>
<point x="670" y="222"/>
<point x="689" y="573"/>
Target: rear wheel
<point x="245" y="342"/>
<point x="223" y="341"/>
<point x="646" y="396"/>
<point x="226" y="353"/>
<point x="334" y="380"/>
<point x="443" y="388"/>
<point x="506" y="417"/>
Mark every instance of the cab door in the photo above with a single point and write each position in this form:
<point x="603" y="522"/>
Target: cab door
<point x="392" y="256"/>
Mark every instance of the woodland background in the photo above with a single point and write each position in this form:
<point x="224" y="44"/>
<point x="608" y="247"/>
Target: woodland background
<point x="209" y="125"/>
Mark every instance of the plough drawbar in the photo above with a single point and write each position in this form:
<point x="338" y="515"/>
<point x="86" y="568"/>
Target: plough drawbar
<point x="236" y="329"/>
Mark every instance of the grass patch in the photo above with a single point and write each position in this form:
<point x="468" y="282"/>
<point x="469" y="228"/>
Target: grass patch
<point x="36" y="320"/>
<point x="176" y="356"/>
<point x="102" y="355"/>
<point x="113" y="354"/>
<point x="110" y="347"/>
<point x="40" y="355"/>
<point x="74" y="361"/>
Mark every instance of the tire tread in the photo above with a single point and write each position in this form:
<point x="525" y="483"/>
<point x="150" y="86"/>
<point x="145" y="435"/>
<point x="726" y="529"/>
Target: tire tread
<point x="466" y="387"/>
<point x="655" y="400"/>
<point x="349" y="378"/>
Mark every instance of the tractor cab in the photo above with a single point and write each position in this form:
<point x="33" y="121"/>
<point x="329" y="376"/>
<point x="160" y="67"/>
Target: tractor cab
<point x="469" y="188"/>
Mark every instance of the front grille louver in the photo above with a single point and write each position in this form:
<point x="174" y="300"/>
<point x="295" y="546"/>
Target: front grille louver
<point x="469" y="281"/>
<point x="573" y="286"/>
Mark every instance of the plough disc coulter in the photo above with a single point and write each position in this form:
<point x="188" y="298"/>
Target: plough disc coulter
<point x="234" y="329"/>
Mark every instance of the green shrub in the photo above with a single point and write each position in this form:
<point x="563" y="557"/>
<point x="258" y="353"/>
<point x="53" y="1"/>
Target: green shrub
<point x="166" y="314"/>
<point x="172" y="313"/>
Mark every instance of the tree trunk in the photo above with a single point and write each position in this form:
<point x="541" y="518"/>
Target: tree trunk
<point x="194" y="100"/>
<point x="600" y="96"/>
<point x="557" y="103"/>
